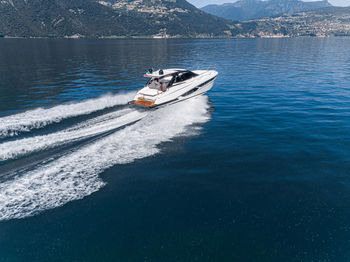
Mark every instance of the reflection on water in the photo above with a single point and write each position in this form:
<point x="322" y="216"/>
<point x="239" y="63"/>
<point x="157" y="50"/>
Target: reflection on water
<point x="53" y="71"/>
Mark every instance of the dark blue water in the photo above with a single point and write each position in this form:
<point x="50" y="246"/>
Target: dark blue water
<point x="256" y="170"/>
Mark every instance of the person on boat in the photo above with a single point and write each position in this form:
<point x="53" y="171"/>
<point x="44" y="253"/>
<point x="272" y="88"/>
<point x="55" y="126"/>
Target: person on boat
<point x="164" y="83"/>
<point x="154" y="83"/>
<point x="163" y="86"/>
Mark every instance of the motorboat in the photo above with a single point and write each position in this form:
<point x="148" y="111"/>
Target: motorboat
<point x="173" y="85"/>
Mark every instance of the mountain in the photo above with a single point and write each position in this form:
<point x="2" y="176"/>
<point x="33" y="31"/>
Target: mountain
<point x="108" y="18"/>
<point x="147" y="18"/>
<point x="324" y="22"/>
<point x="178" y="16"/>
<point x="250" y="9"/>
<point x="40" y="18"/>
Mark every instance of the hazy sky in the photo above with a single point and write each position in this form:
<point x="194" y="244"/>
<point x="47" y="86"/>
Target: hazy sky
<point x="201" y="3"/>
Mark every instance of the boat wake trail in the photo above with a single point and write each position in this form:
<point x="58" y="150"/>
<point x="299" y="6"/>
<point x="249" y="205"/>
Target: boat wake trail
<point x="99" y="125"/>
<point x="76" y="174"/>
<point x="23" y="122"/>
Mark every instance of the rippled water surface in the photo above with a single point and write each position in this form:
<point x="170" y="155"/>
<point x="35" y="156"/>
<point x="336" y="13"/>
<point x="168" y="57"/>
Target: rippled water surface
<point x="256" y="170"/>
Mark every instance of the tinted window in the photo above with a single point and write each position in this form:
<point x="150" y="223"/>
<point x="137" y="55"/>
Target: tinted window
<point x="184" y="76"/>
<point x="187" y="75"/>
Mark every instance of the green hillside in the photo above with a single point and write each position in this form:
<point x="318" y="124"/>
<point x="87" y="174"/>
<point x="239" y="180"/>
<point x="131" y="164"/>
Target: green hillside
<point x="60" y="18"/>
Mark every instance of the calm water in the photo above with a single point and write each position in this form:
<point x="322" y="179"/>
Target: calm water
<point x="257" y="170"/>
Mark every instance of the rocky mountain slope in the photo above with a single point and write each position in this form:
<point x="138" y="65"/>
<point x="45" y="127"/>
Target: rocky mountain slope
<point x="330" y="21"/>
<point x="147" y="18"/>
<point x="250" y="9"/>
<point x="90" y="18"/>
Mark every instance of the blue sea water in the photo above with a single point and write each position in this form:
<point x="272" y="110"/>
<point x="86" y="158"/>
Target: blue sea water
<point x="256" y="170"/>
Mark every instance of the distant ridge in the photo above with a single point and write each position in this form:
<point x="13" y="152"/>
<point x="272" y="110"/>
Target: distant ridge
<point x="324" y="22"/>
<point x="108" y="18"/>
<point x="159" y="19"/>
<point x="251" y="9"/>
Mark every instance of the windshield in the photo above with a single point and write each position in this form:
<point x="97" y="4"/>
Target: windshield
<point x="168" y="80"/>
<point x="156" y="82"/>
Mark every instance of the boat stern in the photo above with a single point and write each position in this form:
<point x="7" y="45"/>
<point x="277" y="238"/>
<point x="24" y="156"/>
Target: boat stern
<point x="141" y="101"/>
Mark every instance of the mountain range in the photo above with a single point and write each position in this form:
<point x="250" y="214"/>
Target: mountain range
<point x="324" y="22"/>
<point x="251" y="9"/>
<point x="90" y="18"/>
<point x="161" y="18"/>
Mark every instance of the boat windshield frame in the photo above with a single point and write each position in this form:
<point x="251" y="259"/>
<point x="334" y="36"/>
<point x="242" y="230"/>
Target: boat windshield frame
<point x="173" y="77"/>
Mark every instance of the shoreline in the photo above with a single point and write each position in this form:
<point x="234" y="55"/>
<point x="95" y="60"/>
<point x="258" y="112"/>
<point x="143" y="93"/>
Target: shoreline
<point x="175" y="37"/>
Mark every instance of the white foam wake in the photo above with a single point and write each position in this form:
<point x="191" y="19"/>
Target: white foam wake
<point x="75" y="175"/>
<point x="99" y="125"/>
<point x="40" y="117"/>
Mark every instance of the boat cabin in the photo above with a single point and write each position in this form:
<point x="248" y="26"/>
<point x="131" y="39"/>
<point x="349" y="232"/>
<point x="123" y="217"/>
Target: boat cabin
<point x="163" y="79"/>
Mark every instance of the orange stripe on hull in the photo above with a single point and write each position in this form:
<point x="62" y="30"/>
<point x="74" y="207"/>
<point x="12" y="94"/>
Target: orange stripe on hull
<point x="142" y="102"/>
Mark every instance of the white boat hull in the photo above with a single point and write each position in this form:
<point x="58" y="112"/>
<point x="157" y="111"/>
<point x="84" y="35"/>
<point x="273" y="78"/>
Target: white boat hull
<point x="195" y="86"/>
